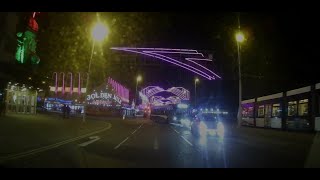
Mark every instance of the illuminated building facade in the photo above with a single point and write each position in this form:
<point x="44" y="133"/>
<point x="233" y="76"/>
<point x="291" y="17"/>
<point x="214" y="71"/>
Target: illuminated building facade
<point x="69" y="88"/>
<point x="20" y="99"/>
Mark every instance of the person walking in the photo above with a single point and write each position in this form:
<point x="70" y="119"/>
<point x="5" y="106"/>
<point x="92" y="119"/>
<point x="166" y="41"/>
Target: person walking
<point x="64" y="109"/>
<point x="68" y="109"/>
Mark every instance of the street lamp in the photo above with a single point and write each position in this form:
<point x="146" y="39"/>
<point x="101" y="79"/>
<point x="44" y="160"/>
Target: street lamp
<point x="195" y="91"/>
<point x="98" y="33"/>
<point x="139" y="78"/>
<point x="240" y="39"/>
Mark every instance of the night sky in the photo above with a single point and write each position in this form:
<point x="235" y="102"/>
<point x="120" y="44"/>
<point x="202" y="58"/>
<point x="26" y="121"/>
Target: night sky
<point x="280" y="52"/>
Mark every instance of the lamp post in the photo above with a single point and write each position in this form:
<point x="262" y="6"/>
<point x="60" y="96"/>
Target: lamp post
<point x="195" y="91"/>
<point x="239" y="38"/>
<point x="99" y="32"/>
<point x="139" y="78"/>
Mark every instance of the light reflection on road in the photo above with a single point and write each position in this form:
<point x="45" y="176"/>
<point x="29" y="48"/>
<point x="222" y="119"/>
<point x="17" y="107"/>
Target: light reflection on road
<point x="210" y="149"/>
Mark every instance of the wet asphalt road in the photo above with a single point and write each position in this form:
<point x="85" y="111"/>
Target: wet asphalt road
<point x="143" y="143"/>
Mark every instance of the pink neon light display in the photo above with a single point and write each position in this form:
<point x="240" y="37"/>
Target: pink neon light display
<point x="71" y="85"/>
<point x="61" y="77"/>
<point x="56" y="82"/>
<point x="62" y="82"/>
<point x="120" y="90"/>
<point x="163" y="54"/>
<point x="180" y="92"/>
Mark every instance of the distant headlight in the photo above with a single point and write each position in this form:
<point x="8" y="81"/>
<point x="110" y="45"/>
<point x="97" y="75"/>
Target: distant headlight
<point x="186" y="122"/>
<point x="175" y="118"/>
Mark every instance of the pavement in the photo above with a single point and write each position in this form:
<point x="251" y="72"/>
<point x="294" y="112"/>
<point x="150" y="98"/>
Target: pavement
<point x="49" y="141"/>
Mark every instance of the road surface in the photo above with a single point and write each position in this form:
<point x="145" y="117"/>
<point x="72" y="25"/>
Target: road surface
<point x="143" y="143"/>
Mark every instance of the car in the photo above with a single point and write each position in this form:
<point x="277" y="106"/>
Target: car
<point x="207" y="125"/>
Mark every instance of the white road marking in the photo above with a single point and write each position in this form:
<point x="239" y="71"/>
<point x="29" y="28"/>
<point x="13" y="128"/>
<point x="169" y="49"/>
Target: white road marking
<point x="121" y="143"/>
<point x="140" y="126"/>
<point x="93" y="139"/>
<point x="183" y="137"/>
<point x="52" y="146"/>
<point x="175" y="124"/>
<point x="155" y="144"/>
<point x="137" y="129"/>
<point x="176" y="131"/>
<point x="187" y="141"/>
<point x="128" y="137"/>
<point x="134" y="131"/>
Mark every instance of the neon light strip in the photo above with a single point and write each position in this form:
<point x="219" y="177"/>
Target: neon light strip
<point x="204" y="68"/>
<point x="205" y="76"/>
<point x="198" y="59"/>
<point x="56" y="82"/>
<point x="62" y="82"/>
<point x="120" y="90"/>
<point x="163" y="50"/>
<point x="168" y="52"/>
<point x="208" y="76"/>
<point x="189" y="59"/>
<point x="71" y="85"/>
<point x="123" y="48"/>
<point x="79" y="83"/>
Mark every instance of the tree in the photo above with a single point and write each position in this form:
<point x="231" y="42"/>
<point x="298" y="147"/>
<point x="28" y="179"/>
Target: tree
<point x="65" y="42"/>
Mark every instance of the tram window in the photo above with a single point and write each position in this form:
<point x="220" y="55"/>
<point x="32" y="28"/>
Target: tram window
<point x="292" y="108"/>
<point x="276" y="111"/>
<point x="303" y="107"/>
<point x="261" y="111"/>
<point x="247" y="112"/>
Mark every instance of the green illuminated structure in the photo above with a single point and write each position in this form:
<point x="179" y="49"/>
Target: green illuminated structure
<point x="27" y="45"/>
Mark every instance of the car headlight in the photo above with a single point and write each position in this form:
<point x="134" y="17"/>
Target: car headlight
<point x="220" y="129"/>
<point x="175" y="118"/>
<point x="202" y="128"/>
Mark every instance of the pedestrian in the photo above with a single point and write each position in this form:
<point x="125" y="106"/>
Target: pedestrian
<point x="68" y="109"/>
<point x="2" y="108"/>
<point x="64" y="109"/>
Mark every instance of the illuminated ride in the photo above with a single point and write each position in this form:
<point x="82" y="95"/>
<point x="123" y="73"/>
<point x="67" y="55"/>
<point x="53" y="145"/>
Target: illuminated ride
<point x="152" y="95"/>
<point x="165" y="105"/>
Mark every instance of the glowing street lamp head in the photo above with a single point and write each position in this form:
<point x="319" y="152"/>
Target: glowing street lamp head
<point x="239" y="37"/>
<point x="99" y="31"/>
<point x="196" y="80"/>
<point x="139" y="78"/>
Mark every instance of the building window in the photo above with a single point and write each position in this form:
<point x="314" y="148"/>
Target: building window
<point x="276" y="110"/>
<point x="261" y="111"/>
<point x="292" y="108"/>
<point x="303" y="107"/>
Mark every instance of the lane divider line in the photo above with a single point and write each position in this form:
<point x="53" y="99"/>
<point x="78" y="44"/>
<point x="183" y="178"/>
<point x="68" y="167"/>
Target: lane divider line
<point x="121" y="143"/>
<point x="187" y="141"/>
<point x="128" y="137"/>
<point x="182" y="137"/>
<point x="52" y="146"/>
<point x="175" y="130"/>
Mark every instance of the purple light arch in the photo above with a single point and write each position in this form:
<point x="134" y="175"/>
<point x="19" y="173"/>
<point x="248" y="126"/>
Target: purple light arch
<point x="180" y="92"/>
<point x="163" y="54"/>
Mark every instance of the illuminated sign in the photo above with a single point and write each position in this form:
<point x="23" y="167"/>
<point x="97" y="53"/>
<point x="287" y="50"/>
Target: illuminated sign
<point x="103" y="98"/>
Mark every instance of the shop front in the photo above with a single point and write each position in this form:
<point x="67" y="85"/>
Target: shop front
<point x="56" y="104"/>
<point x="20" y="99"/>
